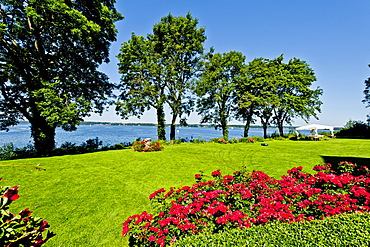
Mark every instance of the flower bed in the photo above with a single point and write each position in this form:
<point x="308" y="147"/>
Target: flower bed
<point x="244" y="199"/>
<point x="143" y="146"/>
<point x="20" y="229"/>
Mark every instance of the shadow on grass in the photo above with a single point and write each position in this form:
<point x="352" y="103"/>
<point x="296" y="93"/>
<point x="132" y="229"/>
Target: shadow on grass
<point x="334" y="160"/>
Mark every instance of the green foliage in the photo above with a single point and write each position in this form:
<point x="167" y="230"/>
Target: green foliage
<point x="339" y="230"/>
<point x="141" y="146"/>
<point x="197" y="140"/>
<point x="219" y="140"/>
<point x="54" y="80"/>
<point x="80" y="219"/>
<point x="354" y="129"/>
<point x="119" y="146"/>
<point x="216" y="88"/>
<point x="7" y="151"/>
<point x="258" y="139"/>
<point x="247" y="140"/>
<point x="366" y="99"/>
<point x="20" y="229"/>
<point x="243" y="200"/>
<point x="92" y="145"/>
<point x="158" y="69"/>
<point x="276" y="92"/>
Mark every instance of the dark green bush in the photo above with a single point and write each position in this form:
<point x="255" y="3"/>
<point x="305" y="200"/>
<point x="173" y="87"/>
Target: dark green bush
<point x="20" y="229"/>
<point x="354" y="129"/>
<point x="246" y="140"/>
<point x="219" y="140"/>
<point x="119" y="146"/>
<point x="7" y="151"/>
<point x="339" y="230"/>
<point x="234" y="140"/>
<point x="197" y="140"/>
<point x="258" y="139"/>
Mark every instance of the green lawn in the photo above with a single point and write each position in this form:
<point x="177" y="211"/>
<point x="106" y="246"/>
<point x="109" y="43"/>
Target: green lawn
<point x="85" y="198"/>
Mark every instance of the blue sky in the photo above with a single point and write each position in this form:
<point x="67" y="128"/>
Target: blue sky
<point x="332" y="36"/>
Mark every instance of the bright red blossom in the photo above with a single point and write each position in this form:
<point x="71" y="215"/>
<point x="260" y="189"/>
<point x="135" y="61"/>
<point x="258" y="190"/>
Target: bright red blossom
<point x="252" y="198"/>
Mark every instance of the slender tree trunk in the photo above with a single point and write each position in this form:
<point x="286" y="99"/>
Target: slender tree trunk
<point x="173" y="128"/>
<point x="264" y="125"/>
<point x="161" y="125"/>
<point x="248" y="123"/>
<point x="43" y="137"/>
<point x="264" y="131"/>
<point x="281" y="128"/>
<point x="225" y="130"/>
<point x="173" y="125"/>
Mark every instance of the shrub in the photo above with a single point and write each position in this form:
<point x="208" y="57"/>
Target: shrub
<point x="246" y="140"/>
<point x="258" y="139"/>
<point x="219" y="140"/>
<point x="92" y="144"/>
<point x="177" y="141"/>
<point x="234" y="140"/>
<point x="354" y="129"/>
<point x="141" y="146"/>
<point x="7" y="151"/>
<point x="119" y="146"/>
<point x="20" y="229"/>
<point x="339" y="230"/>
<point x="197" y="140"/>
<point x="243" y="200"/>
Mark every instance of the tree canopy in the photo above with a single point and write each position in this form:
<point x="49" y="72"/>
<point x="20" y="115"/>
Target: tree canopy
<point x="277" y="92"/>
<point x="50" y="51"/>
<point x="162" y="71"/>
<point x="216" y="88"/>
<point x="366" y="100"/>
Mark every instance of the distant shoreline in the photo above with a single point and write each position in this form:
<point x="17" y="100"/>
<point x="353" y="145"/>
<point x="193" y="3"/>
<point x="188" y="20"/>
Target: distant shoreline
<point x="177" y="125"/>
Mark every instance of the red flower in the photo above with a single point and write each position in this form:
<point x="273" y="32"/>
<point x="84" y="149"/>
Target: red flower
<point x="25" y="213"/>
<point x="156" y="192"/>
<point x="216" y="173"/>
<point x="44" y="226"/>
<point x="12" y="194"/>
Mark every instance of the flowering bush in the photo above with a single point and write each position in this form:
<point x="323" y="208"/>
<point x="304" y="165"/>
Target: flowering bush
<point x="141" y="146"/>
<point x="20" y="229"/>
<point x="247" y="140"/>
<point x="219" y="140"/>
<point x="244" y="199"/>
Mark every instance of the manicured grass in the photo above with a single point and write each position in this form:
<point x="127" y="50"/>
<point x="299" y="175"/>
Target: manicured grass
<point x="85" y="198"/>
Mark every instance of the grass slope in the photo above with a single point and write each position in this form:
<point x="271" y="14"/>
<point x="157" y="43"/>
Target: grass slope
<point x="85" y="198"/>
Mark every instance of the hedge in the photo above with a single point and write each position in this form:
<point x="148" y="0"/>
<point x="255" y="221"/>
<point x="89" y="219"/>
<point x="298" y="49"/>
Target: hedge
<point x="339" y="230"/>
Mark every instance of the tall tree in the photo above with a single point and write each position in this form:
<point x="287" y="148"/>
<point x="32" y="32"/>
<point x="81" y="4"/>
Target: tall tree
<point x="175" y="52"/>
<point x="142" y="84"/>
<point x="254" y="93"/>
<point x="366" y="100"/>
<point x="179" y="42"/>
<point x="277" y="92"/>
<point x="50" y="51"/>
<point x="296" y="98"/>
<point x="216" y="88"/>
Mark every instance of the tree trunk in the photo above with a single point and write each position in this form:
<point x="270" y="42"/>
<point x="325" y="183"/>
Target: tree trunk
<point x="43" y="137"/>
<point x="248" y="123"/>
<point x="173" y="128"/>
<point x="265" y="131"/>
<point x="281" y="128"/>
<point x="161" y="125"/>
<point x="225" y="129"/>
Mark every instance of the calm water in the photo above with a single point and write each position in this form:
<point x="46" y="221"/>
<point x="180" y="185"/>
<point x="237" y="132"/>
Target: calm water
<point x="111" y="134"/>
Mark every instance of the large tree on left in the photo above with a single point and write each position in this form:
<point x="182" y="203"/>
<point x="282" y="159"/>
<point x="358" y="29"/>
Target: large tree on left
<point x="50" y="51"/>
